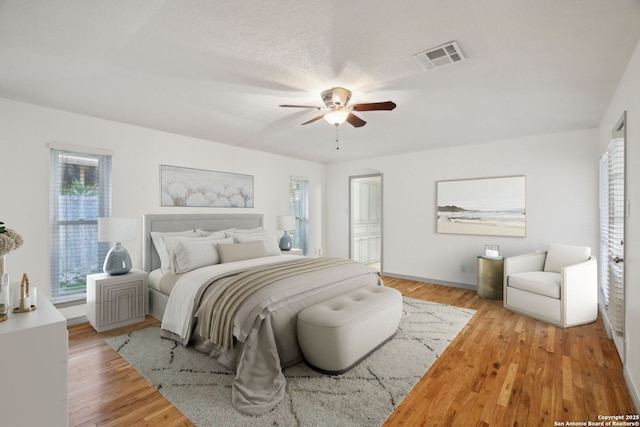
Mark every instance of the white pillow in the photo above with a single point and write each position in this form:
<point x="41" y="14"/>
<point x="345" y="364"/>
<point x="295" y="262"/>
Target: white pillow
<point x="189" y="253"/>
<point x="171" y="241"/>
<point x="270" y="243"/>
<point x="241" y="251"/>
<point x="158" y="241"/>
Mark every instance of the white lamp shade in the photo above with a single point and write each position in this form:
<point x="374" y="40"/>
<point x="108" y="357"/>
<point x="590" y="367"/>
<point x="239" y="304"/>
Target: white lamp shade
<point x="286" y="222"/>
<point x="116" y="229"/>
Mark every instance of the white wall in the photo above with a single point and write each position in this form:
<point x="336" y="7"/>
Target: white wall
<point x="627" y="98"/>
<point x="561" y="183"/>
<point x="137" y="153"/>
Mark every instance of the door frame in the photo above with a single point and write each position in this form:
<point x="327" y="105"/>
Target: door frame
<point x="618" y="132"/>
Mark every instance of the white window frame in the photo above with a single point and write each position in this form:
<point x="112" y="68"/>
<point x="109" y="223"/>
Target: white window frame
<point x="73" y="258"/>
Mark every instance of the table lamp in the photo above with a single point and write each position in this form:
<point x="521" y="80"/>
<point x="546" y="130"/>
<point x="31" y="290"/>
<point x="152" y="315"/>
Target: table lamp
<point x="285" y="223"/>
<point x="116" y="230"/>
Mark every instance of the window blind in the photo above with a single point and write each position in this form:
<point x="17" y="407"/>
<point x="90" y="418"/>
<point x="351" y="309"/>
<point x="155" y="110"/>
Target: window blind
<point x="299" y="207"/>
<point x="616" y="209"/>
<point x="80" y="193"/>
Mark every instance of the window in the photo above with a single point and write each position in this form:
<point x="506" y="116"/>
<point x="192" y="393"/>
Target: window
<point x="299" y="207"/>
<point x="80" y="192"/>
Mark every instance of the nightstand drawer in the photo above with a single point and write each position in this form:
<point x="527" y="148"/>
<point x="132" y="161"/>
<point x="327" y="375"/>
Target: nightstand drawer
<point x="120" y="303"/>
<point x="115" y="291"/>
<point x="114" y="301"/>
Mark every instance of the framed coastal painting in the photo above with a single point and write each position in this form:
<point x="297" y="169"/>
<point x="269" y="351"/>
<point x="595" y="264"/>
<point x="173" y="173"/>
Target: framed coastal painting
<point x="181" y="186"/>
<point x="484" y="206"/>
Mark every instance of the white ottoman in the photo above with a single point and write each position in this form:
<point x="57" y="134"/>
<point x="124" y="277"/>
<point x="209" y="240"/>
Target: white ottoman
<point x="336" y="334"/>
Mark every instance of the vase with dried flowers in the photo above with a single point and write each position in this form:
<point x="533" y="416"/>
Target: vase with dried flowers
<point x="9" y="240"/>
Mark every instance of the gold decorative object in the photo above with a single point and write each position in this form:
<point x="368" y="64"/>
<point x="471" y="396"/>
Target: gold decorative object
<point x="25" y="299"/>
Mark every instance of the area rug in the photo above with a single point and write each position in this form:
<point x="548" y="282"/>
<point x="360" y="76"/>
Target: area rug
<point x="364" y="396"/>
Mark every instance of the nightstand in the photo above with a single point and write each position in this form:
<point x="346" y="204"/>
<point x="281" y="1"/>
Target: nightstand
<point x="114" y="301"/>
<point x="490" y="277"/>
<point x="293" y="251"/>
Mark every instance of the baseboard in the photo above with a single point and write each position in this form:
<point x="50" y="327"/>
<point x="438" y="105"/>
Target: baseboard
<point x="633" y="390"/>
<point x="631" y="386"/>
<point x="433" y="281"/>
<point x="605" y="320"/>
<point x="77" y="320"/>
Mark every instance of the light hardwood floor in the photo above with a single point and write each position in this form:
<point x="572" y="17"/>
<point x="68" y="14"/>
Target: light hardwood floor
<point x="503" y="369"/>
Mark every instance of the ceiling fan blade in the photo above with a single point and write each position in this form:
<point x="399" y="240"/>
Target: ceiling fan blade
<point x="373" y="106"/>
<point x="355" y="121"/>
<point x="314" y="119"/>
<point x="299" y="106"/>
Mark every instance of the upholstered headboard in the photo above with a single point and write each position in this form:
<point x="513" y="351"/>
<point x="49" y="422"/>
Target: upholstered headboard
<point x="181" y="222"/>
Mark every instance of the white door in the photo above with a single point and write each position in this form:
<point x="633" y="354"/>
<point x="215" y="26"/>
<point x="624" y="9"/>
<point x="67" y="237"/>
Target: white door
<point x="365" y="219"/>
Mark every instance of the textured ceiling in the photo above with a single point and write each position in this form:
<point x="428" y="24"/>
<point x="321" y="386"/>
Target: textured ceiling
<point x="218" y="70"/>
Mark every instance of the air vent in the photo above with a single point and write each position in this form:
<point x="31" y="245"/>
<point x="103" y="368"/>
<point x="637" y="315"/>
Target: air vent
<point x="440" y="56"/>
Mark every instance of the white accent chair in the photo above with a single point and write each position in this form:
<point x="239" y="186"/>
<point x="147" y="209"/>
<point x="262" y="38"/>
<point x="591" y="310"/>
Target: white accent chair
<point x="558" y="286"/>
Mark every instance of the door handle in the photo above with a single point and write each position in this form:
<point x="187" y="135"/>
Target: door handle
<point x="618" y="260"/>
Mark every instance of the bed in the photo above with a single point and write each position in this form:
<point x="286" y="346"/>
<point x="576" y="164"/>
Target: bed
<point x="177" y="223"/>
<point x="242" y="310"/>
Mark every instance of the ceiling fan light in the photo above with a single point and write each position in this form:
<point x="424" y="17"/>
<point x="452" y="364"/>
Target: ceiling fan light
<point x="336" y="117"/>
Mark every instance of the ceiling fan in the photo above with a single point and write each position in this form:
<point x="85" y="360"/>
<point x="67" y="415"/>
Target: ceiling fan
<point x="338" y="110"/>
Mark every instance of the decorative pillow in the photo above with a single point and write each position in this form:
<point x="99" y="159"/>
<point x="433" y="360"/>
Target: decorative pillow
<point x="189" y="253"/>
<point x="271" y="246"/>
<point x="559" y="256"/>
<point x="171" y="241"/>
<point x="230" y="252"/>
<point x="158" y="241"/>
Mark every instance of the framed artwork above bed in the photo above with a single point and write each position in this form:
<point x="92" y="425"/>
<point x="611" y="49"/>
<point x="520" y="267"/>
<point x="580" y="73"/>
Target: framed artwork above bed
<point x="180" y="186"/>
<point x="484" y="206"/>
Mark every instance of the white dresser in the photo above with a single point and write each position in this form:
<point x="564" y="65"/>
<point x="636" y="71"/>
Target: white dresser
<point x="114" y="301"/>
<point x="33" y="368"/>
